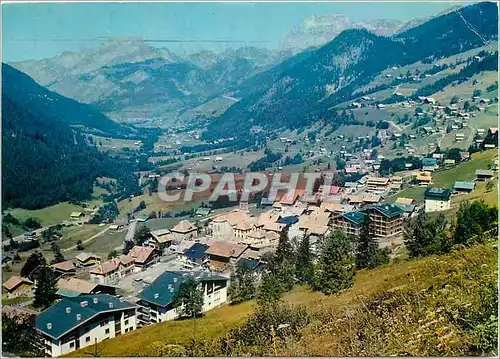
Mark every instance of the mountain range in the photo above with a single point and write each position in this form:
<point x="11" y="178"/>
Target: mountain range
<point x="306" y="87"/>
<point x="128" y="78"/>
<point x="131" y="81"/>
<point x="45" y="130"/>
<point x="318" y="30"/>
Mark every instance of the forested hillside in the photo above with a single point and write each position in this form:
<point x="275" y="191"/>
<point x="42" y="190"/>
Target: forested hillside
<point x="44" y="160"/>
<point x="26" y="93"/>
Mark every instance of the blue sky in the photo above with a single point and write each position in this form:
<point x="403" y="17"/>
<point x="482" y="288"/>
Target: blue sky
<point x="36" y="31"/>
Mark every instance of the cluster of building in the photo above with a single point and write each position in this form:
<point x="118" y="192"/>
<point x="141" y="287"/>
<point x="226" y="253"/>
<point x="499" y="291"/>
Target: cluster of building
<point x="439" y="199"/>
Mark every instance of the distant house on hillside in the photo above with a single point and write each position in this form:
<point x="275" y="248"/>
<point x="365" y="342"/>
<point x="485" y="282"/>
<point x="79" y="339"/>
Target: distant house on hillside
<point x="17" y="286"/>
<point x="484" y="175"/>
<point x="429" y="164"/>
<point x="76" y="215"/>
<point x="424" y="179"/>
<point x="203" y="211"/>
<point x="463" y="187"/>
<point x="87" y="259"/>
<point x="160" y="239"/>
<point x="64" y="268"/>
<point x="465" y="156"/>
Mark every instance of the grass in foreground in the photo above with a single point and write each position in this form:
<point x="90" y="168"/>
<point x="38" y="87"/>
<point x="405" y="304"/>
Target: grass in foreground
<point x="416" y="307"/>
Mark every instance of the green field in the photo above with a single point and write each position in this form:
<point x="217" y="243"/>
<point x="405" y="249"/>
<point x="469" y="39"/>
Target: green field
<point x="463" y="172"/>
<point x="73" y="234"/>
<point x="15" y="301"/>
<point x="114" y="144"/>
<point x="48" y="215"/>
<point x="105" y="243"/>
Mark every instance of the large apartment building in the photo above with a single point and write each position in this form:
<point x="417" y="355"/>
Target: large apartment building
<point x="350" y="223"/>
<point x="377" y="184"/>
<point x="386" y="221"/>
<point x="75" y="323"/>
<point x="155" y="304"/>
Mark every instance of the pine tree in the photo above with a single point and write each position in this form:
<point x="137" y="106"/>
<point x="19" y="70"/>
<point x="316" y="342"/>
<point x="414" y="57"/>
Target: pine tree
<point x="423" y="235"/>
<point x="188" y="299"/>
<point x="242" y="285"/>
<point x="127" y="246"/>
<point x="112" y="254"/>
<point x="286" y="274"/>
<point x="304" y="267"/>
<point x="58" y="256"/>
<point x="367" y="247"/>
<point x="336" y="266"/>
<point x="285" y="262"/>
<point x="142" y="235"/>
<point x="46" y="288"/>
<point x="34" y="261"/>
<point x="472" y="220"/>
<point x="270" y="290"/>
<point x="284" y="250"/>
<point x="79" y="245"/>
<point x="20" y="337"/>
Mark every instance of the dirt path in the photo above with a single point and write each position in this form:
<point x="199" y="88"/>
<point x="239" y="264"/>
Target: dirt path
<point x="87" y="240"/>
<point x="399" y="128"/>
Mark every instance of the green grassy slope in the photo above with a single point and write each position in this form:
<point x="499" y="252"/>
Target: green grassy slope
<point x="407" y="308"/>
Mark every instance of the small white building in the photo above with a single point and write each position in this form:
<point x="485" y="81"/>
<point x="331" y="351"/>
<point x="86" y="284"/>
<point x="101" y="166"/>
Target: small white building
<point x="437" y="199"/>
<point x="75" y="323"/>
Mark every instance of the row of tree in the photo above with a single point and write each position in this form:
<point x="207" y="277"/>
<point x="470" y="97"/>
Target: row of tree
<point x="473" y="223"/>
<point x="340" y="256"/>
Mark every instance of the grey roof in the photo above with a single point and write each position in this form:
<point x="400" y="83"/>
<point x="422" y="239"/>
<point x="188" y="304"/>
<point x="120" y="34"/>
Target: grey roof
<point x="464" y="185"/>
<point x="55" y="321"/>
<point x="484" y="173"/>
<point x="406" y="207"/>
<point x="203" y="211"/>
<point x="388" y="210"/>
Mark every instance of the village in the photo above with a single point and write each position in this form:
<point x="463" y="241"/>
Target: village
<point x="100" y="298"/>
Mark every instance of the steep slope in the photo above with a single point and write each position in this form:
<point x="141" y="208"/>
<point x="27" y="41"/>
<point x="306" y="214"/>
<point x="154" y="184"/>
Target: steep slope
<point x="26" y="93"/>
<point x="296" y="95"/>
<point x="44" y="159"/>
